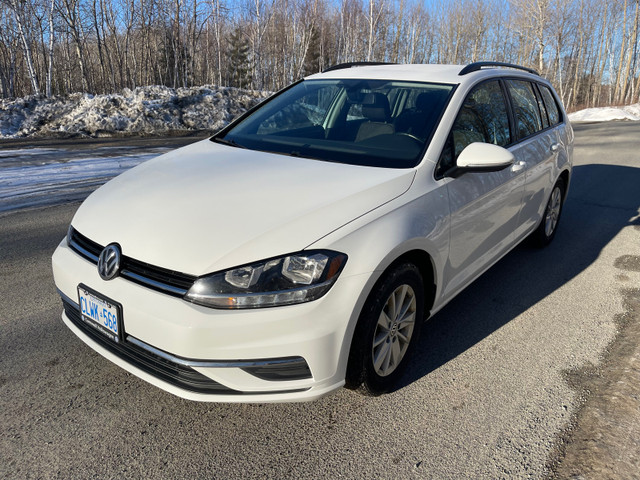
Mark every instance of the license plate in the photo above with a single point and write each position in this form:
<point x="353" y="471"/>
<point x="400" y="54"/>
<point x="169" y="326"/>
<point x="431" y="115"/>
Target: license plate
<point x="100" y="312"/>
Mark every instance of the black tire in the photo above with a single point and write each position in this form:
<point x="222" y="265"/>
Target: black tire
<point x="546" y="231"/>
<point x="394" y="344"/>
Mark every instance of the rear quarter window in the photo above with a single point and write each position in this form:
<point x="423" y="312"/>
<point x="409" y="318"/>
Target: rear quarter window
<point x="552" y="107"/>
<point x="543" y="109"/>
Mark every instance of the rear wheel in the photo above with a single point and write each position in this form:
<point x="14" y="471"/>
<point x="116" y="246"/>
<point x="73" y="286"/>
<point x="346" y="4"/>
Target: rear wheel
<point x="387" y="331"/>
<point x="545" y="232"/>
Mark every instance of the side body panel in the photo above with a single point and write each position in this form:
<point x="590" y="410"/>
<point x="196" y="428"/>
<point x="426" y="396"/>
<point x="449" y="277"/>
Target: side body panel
<point x="484" y="215"/>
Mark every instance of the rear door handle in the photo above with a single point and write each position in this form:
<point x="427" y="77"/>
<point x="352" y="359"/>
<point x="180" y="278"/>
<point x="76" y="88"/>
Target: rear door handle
<point x="554" y="147"/>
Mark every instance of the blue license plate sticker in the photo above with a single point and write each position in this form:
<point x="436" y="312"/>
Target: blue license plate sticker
<point x="100" y="312"/>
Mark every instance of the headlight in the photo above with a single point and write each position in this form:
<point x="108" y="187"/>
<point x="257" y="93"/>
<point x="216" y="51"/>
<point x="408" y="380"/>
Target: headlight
<point x="296" y="278"/>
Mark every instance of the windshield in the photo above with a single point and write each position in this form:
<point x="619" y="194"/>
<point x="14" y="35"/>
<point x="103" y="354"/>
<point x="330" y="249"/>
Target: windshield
<point x="362" y="122"/>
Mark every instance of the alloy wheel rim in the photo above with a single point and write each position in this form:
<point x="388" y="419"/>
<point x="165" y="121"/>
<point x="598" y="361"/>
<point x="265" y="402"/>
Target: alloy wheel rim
<point x="394" y="330"/>
<point x="553" y="212"/>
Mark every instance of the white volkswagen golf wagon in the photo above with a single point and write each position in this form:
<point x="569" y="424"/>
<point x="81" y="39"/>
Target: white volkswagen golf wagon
<point x="300" y="248"/>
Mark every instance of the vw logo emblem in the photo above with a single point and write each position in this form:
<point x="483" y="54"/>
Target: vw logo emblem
<point x="109" y="262"/>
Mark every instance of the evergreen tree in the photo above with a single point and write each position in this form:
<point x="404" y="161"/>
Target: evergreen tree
<point x="239" y="75"/>
<point x="312" y="58"/>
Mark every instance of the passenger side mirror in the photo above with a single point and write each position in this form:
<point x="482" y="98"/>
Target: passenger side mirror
<point x="484" y="157"/>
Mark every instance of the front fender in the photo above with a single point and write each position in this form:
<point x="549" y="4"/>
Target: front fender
<point x="375" y="241"/>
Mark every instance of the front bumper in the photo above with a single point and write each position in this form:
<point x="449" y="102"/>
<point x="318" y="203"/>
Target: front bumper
<point x="292" y="353"/>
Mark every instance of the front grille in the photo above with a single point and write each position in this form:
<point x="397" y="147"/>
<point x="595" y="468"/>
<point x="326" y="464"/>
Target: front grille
<point x="85" y="247"/>
<point x="181" y="376"/>
<point x="157" y="278"/>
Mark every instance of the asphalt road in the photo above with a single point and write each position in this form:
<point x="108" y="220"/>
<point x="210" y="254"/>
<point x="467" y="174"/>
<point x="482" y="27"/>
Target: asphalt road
<point x="486" y="397"/>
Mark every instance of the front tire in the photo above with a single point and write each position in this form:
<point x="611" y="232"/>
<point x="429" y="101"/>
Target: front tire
<point x="387" y="331"/>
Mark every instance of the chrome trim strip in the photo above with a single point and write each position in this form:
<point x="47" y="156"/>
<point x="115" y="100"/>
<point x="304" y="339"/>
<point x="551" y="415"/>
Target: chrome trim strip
<point x="68" y="300"/>
<point x="147" y="281"/>
<point x="213" y="363"/>
<point x="83" y="251"/>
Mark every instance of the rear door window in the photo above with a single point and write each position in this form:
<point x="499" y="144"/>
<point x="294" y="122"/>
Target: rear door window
<point x="525" y="105"/>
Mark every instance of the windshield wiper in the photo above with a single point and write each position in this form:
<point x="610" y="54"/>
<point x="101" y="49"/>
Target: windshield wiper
<point x="223" y="141"/>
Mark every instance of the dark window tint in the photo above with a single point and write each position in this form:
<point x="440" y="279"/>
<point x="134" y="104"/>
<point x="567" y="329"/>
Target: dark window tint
<point x="552" y="106"/>
<point x="482" y="118"/>
<point x="528" y="120"/>
<point x="308" y="110"/>
<point x="417" y="118"/>
<point x="355" y="121"/>
<point x="543" y="110"/>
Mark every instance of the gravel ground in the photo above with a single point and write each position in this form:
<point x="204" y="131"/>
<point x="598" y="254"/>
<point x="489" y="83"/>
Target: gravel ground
<point x="606" y="440"/>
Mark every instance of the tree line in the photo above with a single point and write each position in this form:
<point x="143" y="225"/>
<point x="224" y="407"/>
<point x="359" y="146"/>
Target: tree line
<point x="589" y="49"/>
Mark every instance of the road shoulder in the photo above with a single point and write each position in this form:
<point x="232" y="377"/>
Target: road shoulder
<point x="603" y="441"/>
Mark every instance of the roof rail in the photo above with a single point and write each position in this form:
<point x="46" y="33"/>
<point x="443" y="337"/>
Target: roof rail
<point x="474" y="67"/>
<point x="340" y="66"/>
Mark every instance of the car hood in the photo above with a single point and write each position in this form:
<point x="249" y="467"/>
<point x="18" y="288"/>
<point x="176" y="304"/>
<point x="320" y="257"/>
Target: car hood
<point x="207" y="207"/>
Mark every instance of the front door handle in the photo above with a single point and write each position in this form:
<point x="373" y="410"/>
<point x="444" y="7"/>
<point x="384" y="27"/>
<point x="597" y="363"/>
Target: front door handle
<point x="554" y="147"/>
<point x="518" y="166"/>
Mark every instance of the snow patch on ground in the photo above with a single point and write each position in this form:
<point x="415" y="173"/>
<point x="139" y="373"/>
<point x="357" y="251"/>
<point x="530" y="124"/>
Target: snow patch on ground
<point x="48" y="176"/>
<point x="605" y="114"/>
<point x="148" y="110"/>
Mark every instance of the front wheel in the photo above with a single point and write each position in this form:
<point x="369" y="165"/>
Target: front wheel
<point x="545" y="232"/>
<point x="387" y="331"/>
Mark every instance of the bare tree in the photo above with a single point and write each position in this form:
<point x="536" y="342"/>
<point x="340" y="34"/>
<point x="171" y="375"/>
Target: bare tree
<point x="218" y="24"/>
<point x="588" y="48"/>
<point x="19" y="8"/>
<point x="626" y="85"/>
<point x="71" y="15"/>
<point x="373" y="18"/>
<point x="51" y="43"/>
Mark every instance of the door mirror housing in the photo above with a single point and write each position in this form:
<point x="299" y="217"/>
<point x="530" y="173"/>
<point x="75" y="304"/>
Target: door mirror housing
<point x="483" y="157"/>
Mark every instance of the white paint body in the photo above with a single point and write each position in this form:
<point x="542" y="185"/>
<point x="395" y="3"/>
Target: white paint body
<point x="209" y="207"/>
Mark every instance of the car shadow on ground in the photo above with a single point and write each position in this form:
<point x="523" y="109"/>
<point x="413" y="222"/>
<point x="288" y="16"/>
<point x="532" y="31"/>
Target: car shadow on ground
<point x="603" y="199"/>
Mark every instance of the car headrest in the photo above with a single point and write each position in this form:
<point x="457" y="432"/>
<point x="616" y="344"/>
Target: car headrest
<point x="375" y="107"/>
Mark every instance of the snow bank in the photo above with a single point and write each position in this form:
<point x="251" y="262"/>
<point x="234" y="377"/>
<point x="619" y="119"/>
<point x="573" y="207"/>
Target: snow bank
<point x="146" y="110"/>
<point x="605" y="114"/>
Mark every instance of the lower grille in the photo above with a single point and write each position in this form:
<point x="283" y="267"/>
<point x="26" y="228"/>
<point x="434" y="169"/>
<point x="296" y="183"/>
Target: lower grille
<point x="179" y="375"/>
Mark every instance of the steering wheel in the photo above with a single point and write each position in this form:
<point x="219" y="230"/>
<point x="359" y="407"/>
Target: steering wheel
<point x="411" y="136"/>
